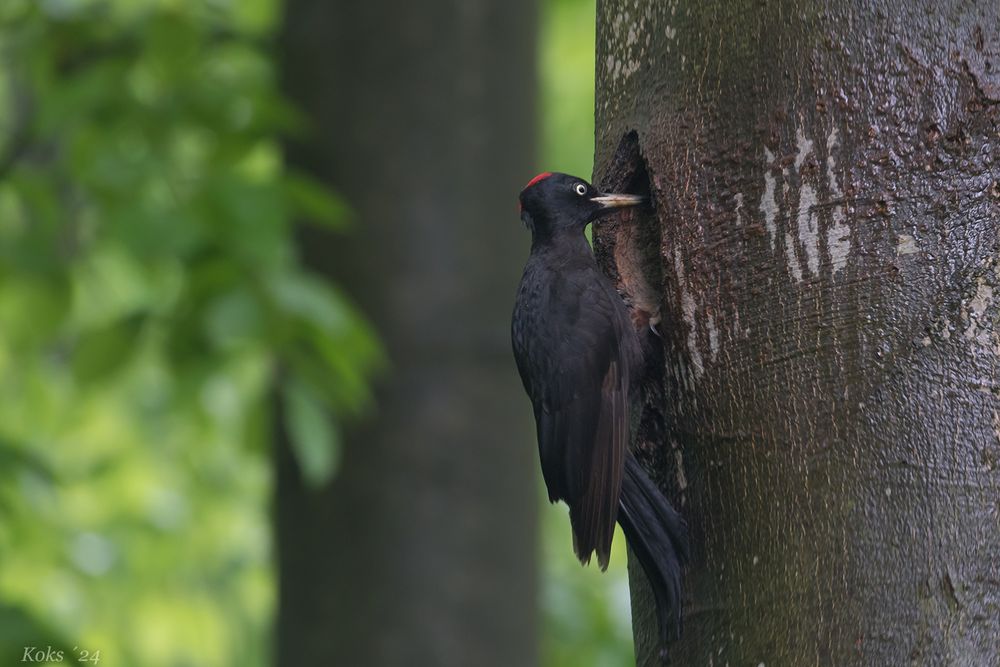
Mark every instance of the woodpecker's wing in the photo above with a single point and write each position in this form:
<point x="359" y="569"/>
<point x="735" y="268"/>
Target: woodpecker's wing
<point x="582" y="409"/>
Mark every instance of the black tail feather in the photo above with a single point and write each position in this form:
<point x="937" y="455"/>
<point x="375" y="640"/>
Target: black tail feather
<point x="658" y="536"/>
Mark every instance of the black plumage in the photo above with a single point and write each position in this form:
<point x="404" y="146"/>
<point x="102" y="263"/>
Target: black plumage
<point x="579" y="359"/>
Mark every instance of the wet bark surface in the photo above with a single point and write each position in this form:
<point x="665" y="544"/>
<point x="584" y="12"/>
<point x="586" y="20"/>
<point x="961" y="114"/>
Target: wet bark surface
<point x="826" y="179"/>
<point x="422" y="551"/>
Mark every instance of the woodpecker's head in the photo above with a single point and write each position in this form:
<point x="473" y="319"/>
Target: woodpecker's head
<point x="551" y="201"/>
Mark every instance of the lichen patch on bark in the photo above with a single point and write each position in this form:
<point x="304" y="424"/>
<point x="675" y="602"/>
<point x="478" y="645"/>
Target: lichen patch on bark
<point x="838" y="236"/>
<point x="802" y="208"/>
<point x="769" y="202"/>
<point x="906" y="245"/>
<point x="689" y="309"/>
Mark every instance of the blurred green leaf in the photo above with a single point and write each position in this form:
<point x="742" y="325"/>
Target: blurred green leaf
<point x="93" y="92"/>
<point x="232" y="318"/>
<point x="250" y="220"/>
<point x="316" y="203"/>
<point x="101" y="352"/>
<point x="171" y="43"/>
<point x="32" y="309"/>
<point x="315" y="440"/>
<point x="300" y="295"/>
<point x="349" y="362"/>
<point x="16" y="458"/>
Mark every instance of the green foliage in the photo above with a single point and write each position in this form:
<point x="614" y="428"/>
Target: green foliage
<point x="586" y="614"/>
<point x="151" y="308"/>
<point x="314" y="437"/>
<point x="567" y="68"/>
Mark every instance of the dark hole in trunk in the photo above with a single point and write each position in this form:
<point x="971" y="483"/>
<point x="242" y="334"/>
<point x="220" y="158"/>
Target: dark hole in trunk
<point x="628" y="248"/>
<point x="628" y="244"/>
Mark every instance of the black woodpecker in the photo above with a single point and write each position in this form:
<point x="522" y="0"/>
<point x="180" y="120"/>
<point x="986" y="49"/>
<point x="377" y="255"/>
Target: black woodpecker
<point x="580" y="360"/>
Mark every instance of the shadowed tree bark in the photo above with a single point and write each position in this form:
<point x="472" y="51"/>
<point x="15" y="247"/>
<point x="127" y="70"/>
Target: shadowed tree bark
<point x="824" y="254"/>
<point x="422" y="550"/>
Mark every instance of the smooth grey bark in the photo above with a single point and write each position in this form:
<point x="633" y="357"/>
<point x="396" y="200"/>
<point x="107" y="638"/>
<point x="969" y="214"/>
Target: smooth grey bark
<point x="824" y="255"/>
<point x="423" y="549"/>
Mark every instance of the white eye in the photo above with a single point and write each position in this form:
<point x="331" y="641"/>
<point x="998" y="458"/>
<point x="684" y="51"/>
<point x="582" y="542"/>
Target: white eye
<point x="581" y="189"/>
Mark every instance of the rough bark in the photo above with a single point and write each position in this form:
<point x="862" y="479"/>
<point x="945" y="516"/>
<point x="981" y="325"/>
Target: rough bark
<point x="824" y="255"/>
<point x="422" y="551"/>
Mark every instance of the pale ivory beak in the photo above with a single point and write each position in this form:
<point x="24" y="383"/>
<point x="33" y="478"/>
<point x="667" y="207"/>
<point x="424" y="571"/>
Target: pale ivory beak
<point x="618" y="201"/>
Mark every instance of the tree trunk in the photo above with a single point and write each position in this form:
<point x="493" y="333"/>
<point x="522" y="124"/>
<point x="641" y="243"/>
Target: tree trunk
<point x="422" y="550"/>
<point x="824" y="255"/>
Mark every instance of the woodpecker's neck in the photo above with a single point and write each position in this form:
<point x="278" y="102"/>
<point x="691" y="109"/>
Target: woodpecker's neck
<point x="563" y="241"/>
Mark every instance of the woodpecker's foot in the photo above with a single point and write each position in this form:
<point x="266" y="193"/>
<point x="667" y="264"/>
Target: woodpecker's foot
<point x="643" y="318"/>
<point x="653" y="322"/>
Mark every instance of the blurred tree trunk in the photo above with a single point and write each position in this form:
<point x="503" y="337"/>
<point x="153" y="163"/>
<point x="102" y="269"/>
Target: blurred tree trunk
<point x="824" y="252"/>
<point x="422" y="550"/>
